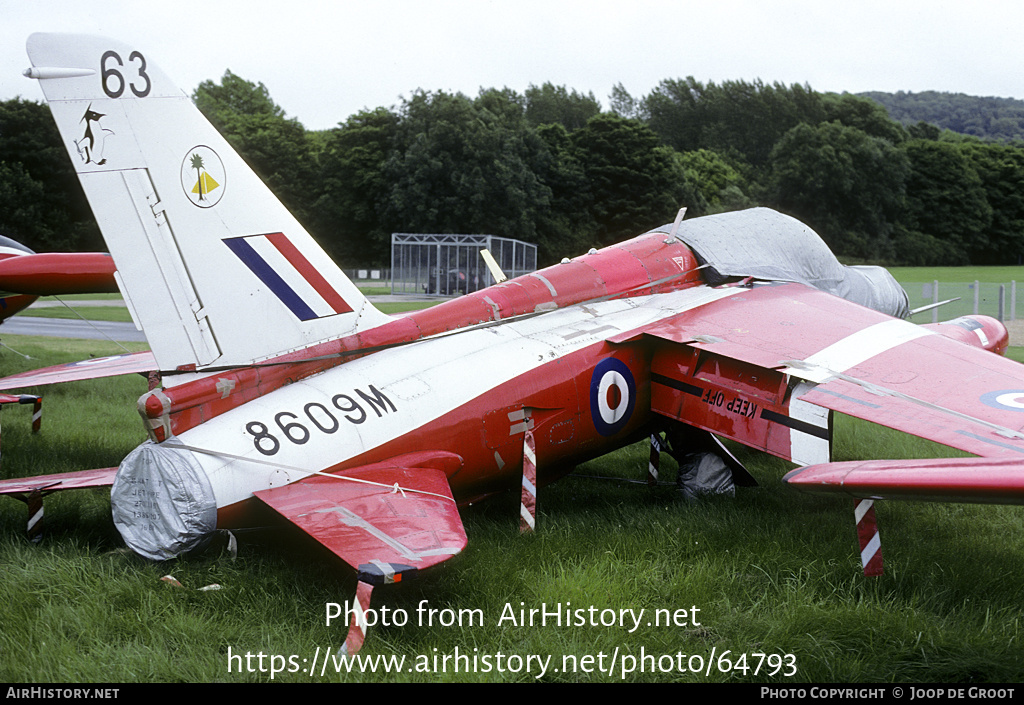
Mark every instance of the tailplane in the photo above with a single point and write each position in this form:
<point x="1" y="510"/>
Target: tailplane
<point x="214" y="269"/>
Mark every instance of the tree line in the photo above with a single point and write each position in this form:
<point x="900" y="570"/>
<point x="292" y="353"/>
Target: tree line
<point x="986" y="117"/>
<point x="551" y="167"/>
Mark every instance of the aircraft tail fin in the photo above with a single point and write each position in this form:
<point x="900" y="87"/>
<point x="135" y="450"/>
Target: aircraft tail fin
<point x="214" y="269"/>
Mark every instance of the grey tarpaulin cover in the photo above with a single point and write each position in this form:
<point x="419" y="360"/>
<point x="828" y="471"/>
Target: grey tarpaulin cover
<point x="704" y="473"/>
<point x="162" y="501"/>
<point x="767" y="245"/>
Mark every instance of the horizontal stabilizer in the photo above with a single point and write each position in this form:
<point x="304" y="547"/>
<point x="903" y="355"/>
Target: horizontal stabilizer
<point x="979" y="480"/>
<point x="376" y="516"/>
<point x="129" y="363"/>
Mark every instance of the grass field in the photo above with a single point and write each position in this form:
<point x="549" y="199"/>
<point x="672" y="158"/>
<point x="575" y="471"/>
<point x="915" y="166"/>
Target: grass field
<point x="90" y="313"/>
<point x="770" y="571"/>
<point x="375" y="290"/>
<point x="991" y="275"/>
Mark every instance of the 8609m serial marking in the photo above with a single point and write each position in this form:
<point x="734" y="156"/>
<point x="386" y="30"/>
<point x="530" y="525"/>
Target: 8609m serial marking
<point x="320" y="417"/>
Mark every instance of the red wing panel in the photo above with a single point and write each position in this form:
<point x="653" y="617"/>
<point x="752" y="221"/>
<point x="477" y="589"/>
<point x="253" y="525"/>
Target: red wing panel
<point x="865" y="364"/>
<point x="59" y="481"/>
<point x="128" y="363"/>
<point x="378" y="516"/>
<point x="981" y="480"/>
<point x="766" y="325"/>
<point x="938" y="389"/>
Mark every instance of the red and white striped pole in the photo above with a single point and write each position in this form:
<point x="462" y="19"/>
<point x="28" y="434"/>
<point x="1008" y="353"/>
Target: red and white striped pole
<point x="654" y="464"/>
<point x="868" y="537"/>
<point x="528" y="507"/>
<point x="357" y="620"/>
<point x="35" y="516"/>
<point x="37" y="414"/>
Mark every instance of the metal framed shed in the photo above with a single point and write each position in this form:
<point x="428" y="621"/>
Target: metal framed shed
<point x="449" y="265"/>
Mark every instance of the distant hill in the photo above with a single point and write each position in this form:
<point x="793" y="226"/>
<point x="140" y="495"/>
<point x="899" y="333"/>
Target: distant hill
<point x="989" y="118"/>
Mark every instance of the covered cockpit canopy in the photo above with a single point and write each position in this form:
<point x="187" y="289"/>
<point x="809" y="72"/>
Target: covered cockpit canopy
<point x="767" y="245"/>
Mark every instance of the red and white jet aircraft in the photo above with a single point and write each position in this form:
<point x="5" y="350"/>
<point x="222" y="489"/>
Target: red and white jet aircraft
<point x="26" y="275"/>
<point x="284" y="388"/>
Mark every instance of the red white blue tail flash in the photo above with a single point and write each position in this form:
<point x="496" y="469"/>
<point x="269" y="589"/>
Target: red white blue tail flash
<point x="278" y="263"/>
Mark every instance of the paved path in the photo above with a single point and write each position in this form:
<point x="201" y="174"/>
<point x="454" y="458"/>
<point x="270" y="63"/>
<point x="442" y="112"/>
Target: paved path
<point x="71" y="328"/>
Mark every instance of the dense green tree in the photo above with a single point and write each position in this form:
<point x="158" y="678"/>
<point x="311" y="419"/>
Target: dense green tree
<point x="566" y="227"/>
<point x="233" y="96"/>
<point x="1001" y="170"/>
<point x="947" y="214"/>
<point x="625" y="105"/>
<point x="736" y="118"/>
<point x="721" y="186"/>
<point x="23" y="215"/>
<point x="42" y="204"/>
<point x="864" y="114"/>
<point x="989" y="118"/>
<point x="844" y="183"/>
<point x="634" y="182"/>
<point x="464" y="166"/>
<point x="552" y="104"/>
<point x="677" y="111"/>
<point x="354" y="188"/>
<point x="923" y="131"/>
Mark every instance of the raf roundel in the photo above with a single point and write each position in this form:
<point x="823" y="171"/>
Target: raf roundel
<point x="612" y="396"/>
<point x="203" y="177"/>
<point x="1005" y="399"/>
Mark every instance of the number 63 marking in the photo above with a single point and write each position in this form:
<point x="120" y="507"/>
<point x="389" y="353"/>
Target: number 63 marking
<point x="109" y="74"/>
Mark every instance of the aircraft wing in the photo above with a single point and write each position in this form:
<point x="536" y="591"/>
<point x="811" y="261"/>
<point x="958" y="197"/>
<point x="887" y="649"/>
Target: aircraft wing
<point x="980" y="480"/>
<point x="755" y="367"/>
<point x="58" y="481"/>
<point x="31" y="491"/>
<point x="387" y="521"/>
<point x="129" y="363"/>
<point x="393" y="515"/>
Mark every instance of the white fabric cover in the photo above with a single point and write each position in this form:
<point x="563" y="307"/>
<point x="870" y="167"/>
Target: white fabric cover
<point x="162" y="501"/>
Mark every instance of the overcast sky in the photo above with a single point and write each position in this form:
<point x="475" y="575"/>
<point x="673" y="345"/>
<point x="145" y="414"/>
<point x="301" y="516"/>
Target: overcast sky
<point x="324" y="60"/>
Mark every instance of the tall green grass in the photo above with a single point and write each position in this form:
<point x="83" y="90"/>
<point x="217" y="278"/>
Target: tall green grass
<point x="770" y="571"/>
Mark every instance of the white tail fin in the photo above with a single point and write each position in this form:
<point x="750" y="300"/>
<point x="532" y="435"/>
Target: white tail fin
<point x="215" y="270"/>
